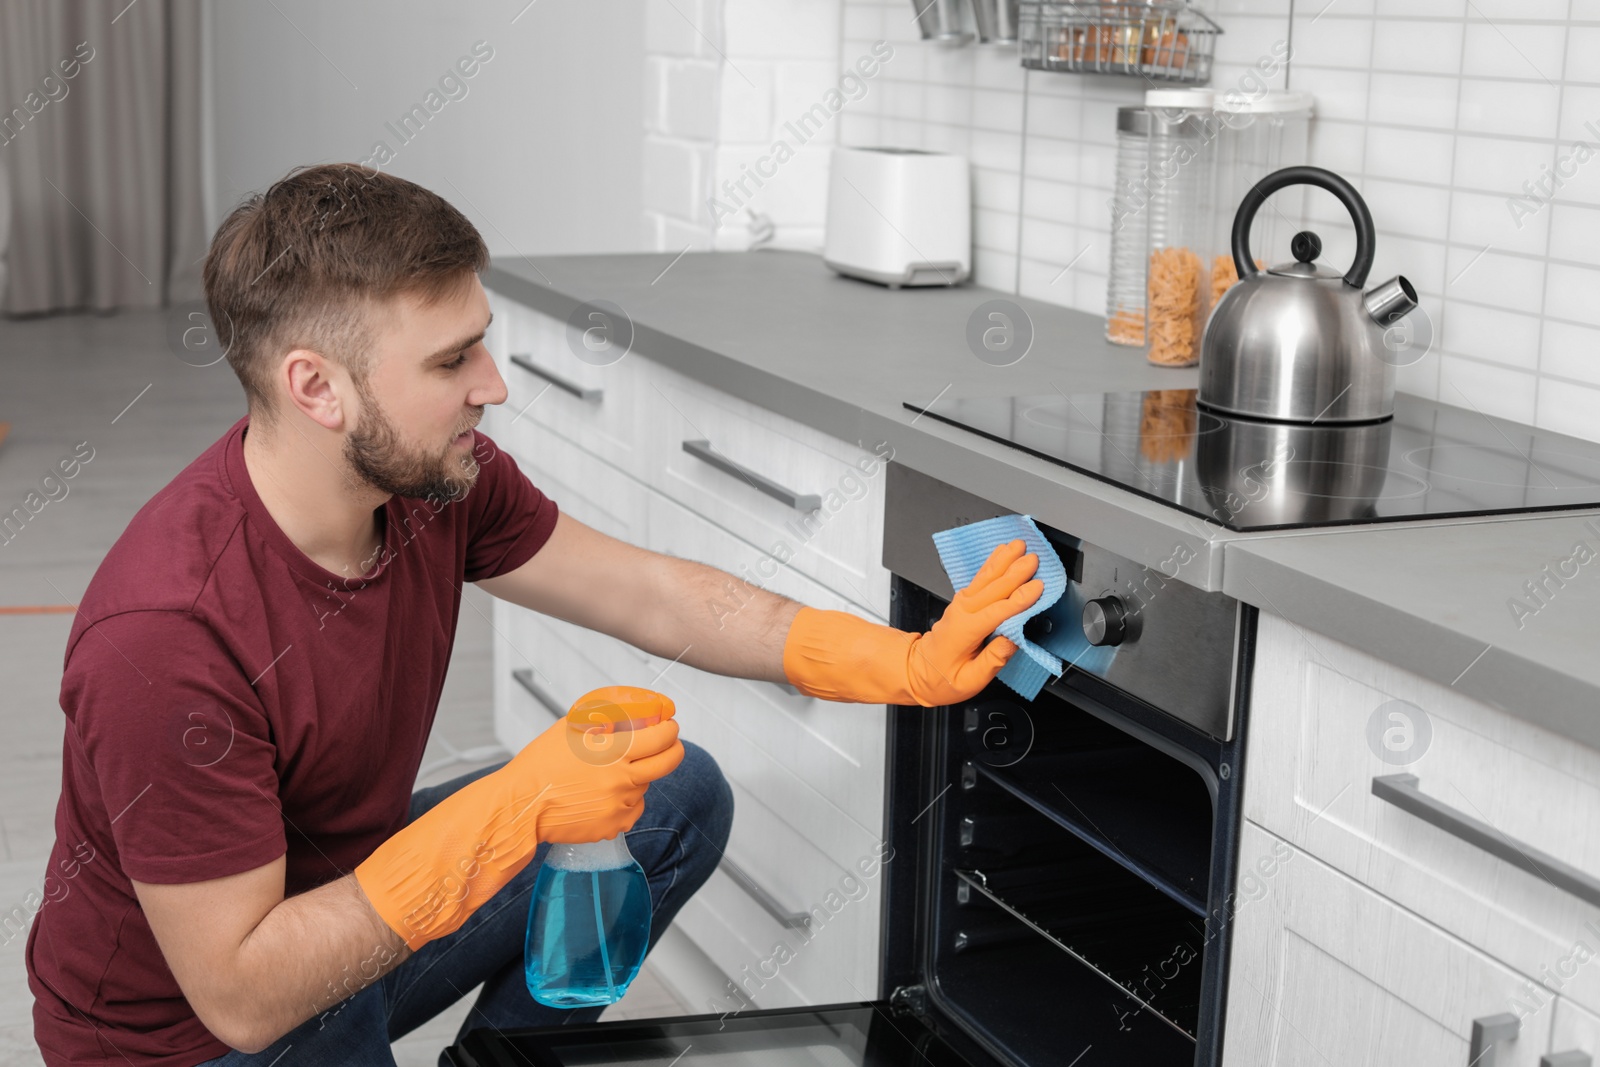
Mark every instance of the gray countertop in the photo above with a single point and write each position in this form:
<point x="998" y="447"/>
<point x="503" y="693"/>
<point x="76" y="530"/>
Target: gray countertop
<point x="781" y="330"/>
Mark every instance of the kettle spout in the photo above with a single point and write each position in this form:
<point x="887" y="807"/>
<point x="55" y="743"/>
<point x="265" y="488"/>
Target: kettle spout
<point x="1391" y="301"/>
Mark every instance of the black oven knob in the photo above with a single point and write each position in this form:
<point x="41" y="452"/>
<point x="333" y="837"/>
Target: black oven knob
<point x="1105" y="621"/>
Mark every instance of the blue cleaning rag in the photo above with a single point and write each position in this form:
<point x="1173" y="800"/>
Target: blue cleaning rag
<point x="1064" y="637"/>
<point x="964" y="549"/>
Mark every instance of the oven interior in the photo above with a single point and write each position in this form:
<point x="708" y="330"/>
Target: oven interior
<point x="1065" y="872"/>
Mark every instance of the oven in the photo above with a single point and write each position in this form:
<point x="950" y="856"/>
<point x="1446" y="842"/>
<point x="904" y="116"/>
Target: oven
<point x="1058" y="885"/>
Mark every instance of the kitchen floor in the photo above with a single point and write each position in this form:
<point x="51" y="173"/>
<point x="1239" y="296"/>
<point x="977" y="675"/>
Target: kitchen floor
<point x="117" y="382"/>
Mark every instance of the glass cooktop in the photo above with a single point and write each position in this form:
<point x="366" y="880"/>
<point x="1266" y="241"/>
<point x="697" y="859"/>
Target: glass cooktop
<point x="1430" y="461"/>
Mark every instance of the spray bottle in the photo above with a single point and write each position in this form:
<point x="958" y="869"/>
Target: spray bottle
<point x="589" y="922"/>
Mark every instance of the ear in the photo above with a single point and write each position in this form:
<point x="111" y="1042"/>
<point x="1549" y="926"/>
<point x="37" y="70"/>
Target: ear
<point x="318" y="387"/>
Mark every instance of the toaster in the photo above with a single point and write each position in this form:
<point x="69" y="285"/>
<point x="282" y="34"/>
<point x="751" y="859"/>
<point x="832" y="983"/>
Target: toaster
<point x="899" y="216"/>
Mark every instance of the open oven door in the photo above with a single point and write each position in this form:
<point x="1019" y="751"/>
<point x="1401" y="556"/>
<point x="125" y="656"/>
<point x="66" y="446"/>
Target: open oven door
<point x="1030" y="918"/>
<point x="866" y="1034"/>
<point x="1064" y="888"/>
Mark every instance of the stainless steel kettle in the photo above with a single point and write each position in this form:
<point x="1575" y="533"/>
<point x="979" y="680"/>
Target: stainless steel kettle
<point x="1300" y="342"/>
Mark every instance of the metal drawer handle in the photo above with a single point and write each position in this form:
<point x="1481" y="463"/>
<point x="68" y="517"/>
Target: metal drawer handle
<point x="582" y="392"/>
<point x="524" y="678"/>
<point x="794" y="920"/>
<point x="1487" y="1033"/>
<point x="701" y="450"/>
<point x="1402" y="790"/>
<point x="1570" y="1058"/>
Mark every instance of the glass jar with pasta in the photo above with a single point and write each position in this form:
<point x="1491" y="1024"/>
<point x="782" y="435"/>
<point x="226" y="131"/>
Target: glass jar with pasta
<point x="1180" y="234"/>
<point x="1260" y="133"/>
<point x="1125" y="280"/>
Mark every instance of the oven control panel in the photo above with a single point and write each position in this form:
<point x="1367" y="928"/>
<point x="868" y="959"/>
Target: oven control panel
<point x="1141" y="629"/>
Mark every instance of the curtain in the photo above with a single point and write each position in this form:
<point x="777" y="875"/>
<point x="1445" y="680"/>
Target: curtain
<point x="100" y="138"/>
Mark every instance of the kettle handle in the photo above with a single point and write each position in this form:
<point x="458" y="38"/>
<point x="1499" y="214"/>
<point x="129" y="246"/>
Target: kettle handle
<point x="1324" y="179"/>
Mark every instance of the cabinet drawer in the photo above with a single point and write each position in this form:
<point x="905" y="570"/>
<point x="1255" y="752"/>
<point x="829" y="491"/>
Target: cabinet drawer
<point x="585" y="487"/>
<point x="821" y="764"/>
<point x="833" y="958"/>
<point x="1575" y="1030"/>
<point x="564" y="662"/>
<point x="821" y="755"/>
<point x="675" y="530"/>
<point x="592" y="401"/>
<point x="528" y="711"/>
<point x="733" y="734"/>
<point x="682" y="530"/>
<point x="782" y="871"/>
<point x="829" y="779"/>
<point x="518" y="716"/>
<point x="835" y="751"/>
<point x="1326" y="720"/>
<point x="814" y="503"/>
<point x="1326" y="971"/>
<point x="529" y="696"/>
<point x="827" y="797"/>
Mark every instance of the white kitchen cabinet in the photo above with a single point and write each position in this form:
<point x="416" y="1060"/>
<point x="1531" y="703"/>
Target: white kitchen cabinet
<point x="789" y="893"/>
<point x="561" y="661"/>
<point x="591" y="401"/>
<point x="776" y="965"/>
<point x="809" y="786"/>
<point x="831" y="932"/>
<point x="812" y="502"/>
<point x="807" y="775"/>
<point x="1323" y="718"/>
<point x="582" y="485"/>
<point x="1575" y="1030"/>
<point x="845" y="742"/>
<point x="1325" y="971"/>
<point x="837" y="750"/>
<point x="636" y="415"/>
<point x="545" y="665"/>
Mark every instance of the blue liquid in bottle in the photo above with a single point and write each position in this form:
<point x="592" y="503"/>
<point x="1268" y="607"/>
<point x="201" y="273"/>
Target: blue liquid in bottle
<point x="588" y="925"/>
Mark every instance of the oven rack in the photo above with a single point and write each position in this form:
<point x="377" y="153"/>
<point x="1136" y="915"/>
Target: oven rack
<point x="1126" y="806"/>
<point x="1159" y="40"/>
<point x="1103" y="942"/>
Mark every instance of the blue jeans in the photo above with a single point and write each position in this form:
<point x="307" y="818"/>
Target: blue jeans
<point x="678" y="840"/>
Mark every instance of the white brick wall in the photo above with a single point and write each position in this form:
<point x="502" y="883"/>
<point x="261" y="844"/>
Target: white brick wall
<point x="683" y="28"/>
<point x="681" y="97"/>
<point x="1437" y="110"/>
<point x="718" y="101"/>
<point x="682" y="87"/>
<point x="762" y="29"/>
<point x="675" y="171"/>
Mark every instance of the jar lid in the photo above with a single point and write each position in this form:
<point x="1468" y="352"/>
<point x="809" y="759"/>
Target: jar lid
<point x="1134" y="120"/>
<point x="1191" y="99"/>
<point x="1272" y="102"/>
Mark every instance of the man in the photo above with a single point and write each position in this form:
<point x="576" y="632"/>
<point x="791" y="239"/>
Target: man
<point x="242" y="873"/>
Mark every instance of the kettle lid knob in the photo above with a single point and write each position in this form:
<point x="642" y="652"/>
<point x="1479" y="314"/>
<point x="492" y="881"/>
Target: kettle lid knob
<point x="1306" y="246"/>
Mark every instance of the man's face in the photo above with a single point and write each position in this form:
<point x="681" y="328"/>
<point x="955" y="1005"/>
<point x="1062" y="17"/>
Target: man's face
<point x="429" y="381"/>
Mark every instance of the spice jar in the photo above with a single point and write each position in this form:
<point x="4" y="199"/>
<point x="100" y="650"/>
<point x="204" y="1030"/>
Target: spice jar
<point x="1257" y="135"/>
<point x="1125" y="277"/>
<point x="1180" y="226"/>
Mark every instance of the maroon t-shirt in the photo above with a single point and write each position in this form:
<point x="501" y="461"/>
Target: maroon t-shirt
<point x="229" y="701"/>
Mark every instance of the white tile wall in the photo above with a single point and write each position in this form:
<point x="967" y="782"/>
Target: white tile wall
<point x="681" y="113"/>
<point x="1438" y="110"/>
<point x="730" y="79"/>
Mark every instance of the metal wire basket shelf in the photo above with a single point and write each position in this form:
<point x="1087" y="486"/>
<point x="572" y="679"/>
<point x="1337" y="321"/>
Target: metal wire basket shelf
<point x="1163" y="40"/>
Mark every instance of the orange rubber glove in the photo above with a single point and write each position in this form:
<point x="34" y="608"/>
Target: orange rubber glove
<point x="839" y="656"/>
<point x="583" y="779"/>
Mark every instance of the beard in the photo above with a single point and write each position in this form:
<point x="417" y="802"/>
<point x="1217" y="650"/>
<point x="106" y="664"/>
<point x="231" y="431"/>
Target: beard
<point x="382" y="460"/>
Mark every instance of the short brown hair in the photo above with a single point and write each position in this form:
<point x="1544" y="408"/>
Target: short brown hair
<point x="299" y="265"/>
